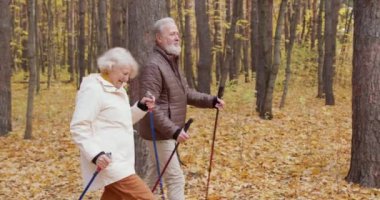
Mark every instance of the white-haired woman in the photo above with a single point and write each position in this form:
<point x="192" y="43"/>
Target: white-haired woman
<point x="103" y="123"/>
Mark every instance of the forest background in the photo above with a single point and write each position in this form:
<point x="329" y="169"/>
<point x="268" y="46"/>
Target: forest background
<point x="286" y="67"/>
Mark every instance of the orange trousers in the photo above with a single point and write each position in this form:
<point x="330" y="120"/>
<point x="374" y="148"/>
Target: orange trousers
<point x="129" y="188"/>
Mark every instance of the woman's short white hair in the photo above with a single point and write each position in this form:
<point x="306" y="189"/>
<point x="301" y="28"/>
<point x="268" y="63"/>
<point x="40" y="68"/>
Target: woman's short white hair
<point x="117" y="57"/>
<point x="159" y="24"/>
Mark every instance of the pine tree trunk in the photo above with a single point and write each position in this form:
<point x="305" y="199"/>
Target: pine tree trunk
<point x="141" y="16"/>
<point x="229" y="43"/>
<point x="32" y="67"/>
<point x="218" y="39"/>
<point x="276" y="59"/>
<point x="265" y="56"/>
<point x="321" y="52"/>
<point x="365" y="157"/>
<point x="168" y="8"/>
<point x="180" y="17"/>
<point x="188" y="46"/>
<point x="56" y="50"/>
<point x="313" y="24"/>
<point x="117" y="19"/>
<point x="50" y="42"/>
<point x="24" y="42"/>
<point x="90" y="36"/>
<point x="102" y="42"/>
<point x="289" y="48"/>
<point x="303" y="30"/>
<point x="38" y="52"/>
<point x="237" y="48"/>
<point x="344" y="40"/>
<point x="94" y="37"/>
<point x="331" y="22"/>
<point x="70" y="39"/>
<point x="5" y="68"/>
<point x="254" y="36"/>
<point x="246" y="58"/>
<point x="205" y="60"/>
<point x="81" y="41"/>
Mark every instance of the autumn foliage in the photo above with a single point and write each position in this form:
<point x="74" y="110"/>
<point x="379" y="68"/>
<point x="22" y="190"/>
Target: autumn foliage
<point x="303" y="153"/>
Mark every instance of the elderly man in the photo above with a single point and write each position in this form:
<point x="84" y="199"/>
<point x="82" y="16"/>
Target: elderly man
<point x="162" y="78"/>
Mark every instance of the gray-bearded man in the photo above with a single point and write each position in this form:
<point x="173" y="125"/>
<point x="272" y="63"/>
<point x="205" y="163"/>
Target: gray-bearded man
<point x="162" y="77"/>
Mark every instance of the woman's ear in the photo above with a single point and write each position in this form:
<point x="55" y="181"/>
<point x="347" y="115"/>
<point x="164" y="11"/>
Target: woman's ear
<point x="110" y="65"/>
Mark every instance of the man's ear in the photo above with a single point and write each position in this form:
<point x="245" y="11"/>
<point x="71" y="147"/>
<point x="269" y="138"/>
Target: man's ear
<point x="158" y="37"/>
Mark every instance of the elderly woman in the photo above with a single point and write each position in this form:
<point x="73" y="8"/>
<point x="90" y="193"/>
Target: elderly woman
<point x="103" y="123"/>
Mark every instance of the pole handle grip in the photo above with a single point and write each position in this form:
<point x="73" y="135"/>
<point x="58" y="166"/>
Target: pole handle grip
<point x="220" y="92"/>
<point x="187" y="125"/>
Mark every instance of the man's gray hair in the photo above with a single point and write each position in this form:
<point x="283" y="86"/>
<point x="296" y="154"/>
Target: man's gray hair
<point x="157" y="27"/>
<point x="117" y="57"/>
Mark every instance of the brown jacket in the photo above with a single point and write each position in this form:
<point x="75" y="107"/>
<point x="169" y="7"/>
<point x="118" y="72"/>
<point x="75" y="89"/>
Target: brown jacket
<point x="162" y="78"/>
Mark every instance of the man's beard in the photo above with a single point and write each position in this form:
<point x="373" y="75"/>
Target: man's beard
<point x="173" y="49"/>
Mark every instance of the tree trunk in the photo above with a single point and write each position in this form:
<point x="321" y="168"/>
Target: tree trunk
<point x="365" y="157"/>
<point x="24" y="40"/>
<point x="40" y="66"/>
<point x="90" y="36"/>
<point x="287" y="22"/>
<point x="331" y="22"/>
<point x="168" y="8"/>
<point x="236" y="55"/>
<point x="344" y="40"/>
<point x="102" y="42"/>
<point x="204" y="39"/>
<point x="276" y="60"/>
<point x="218" y="39"/>
<point x="303" y="30"/>
<point x="254" y="36"/>
<point x="70" y="39"/>
<point x="126" y="28"/>
<point x="50" y="52"/>
<point x="15" y="37"/>
<point x="313" y="24"/>
<point x="56" y="50"/>
<point x="64" y="61"/>
<point x="94" y="37"/>
<point x="245" y="59"/>
<point x="117" y="19"/>
<point x="320" y="50"/>
<point x="265" y="54"/>
<point x="5" y="68"/>
<point x="141" y="16"/>
<point x="309" y="22"/>
<point x="229" y="43"/>
<point x="32" y="67"/>
<point x="188" y="46"/>
<point x="180" y="16"/>
<point x="81" y="41"/>
<point x="289" y="49"/>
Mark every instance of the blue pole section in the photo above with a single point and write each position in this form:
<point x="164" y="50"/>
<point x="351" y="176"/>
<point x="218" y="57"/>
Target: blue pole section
<point x="156" y="153"/>
<point x="89" y="183"/>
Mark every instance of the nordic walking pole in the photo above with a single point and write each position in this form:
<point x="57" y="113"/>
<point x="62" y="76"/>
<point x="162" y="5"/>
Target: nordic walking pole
<point x="220" y="95"/>
<point x="149" y="95"/>
<point x="89" y="183"/>
<point x="92" y="179"/>
<point x="185" y="128"/>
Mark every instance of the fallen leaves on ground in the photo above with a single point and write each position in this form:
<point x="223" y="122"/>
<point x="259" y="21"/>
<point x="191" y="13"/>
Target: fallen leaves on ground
<point x="303" y="153"/>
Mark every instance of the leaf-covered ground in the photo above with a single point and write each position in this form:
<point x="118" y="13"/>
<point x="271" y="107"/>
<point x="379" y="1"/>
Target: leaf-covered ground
<point x="303" y="153"/>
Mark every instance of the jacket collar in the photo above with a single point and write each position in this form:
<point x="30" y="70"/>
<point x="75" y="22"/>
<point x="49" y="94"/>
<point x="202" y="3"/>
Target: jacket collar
<point x="107" y="86"/>
<point x="173" y="63"/>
